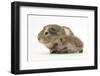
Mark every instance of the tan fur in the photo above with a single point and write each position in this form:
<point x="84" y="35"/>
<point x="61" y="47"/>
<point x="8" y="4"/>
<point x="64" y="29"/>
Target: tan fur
<point x="60" y="39"/>
<point x="67" y="30"/>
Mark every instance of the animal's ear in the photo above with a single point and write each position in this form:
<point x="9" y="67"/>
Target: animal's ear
<point x="52" y="30"/>
<point x="68" y="30"/>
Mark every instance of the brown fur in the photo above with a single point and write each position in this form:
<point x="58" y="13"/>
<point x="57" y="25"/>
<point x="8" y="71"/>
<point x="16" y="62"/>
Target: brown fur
<point x="60" y="41"/>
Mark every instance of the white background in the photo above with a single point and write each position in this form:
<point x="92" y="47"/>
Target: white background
<point x="39" y="56"/>
<point x="5" y="38"/>
<point x="36" y="24"/>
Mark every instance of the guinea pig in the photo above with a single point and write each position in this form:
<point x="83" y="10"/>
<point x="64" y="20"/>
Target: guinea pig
<point x="60" y="39"/>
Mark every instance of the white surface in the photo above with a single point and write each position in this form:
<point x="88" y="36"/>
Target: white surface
<point x="5" y="38"/>
<point x="38" y="55"/>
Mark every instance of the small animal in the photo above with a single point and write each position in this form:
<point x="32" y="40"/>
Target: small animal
<point x="60" y="39"/>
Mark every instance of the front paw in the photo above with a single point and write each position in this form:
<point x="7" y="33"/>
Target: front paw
<point x="81" y="51"/>
<point x="53" y="52"/>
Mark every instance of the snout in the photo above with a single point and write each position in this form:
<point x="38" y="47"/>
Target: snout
<point x="39" y="38"/>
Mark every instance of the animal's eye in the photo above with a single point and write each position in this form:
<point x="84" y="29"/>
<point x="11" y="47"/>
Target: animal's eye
<point x="46" y="33"/>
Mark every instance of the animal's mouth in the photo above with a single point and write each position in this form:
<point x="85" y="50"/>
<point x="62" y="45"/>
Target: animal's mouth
<point x="42" y="41"/>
